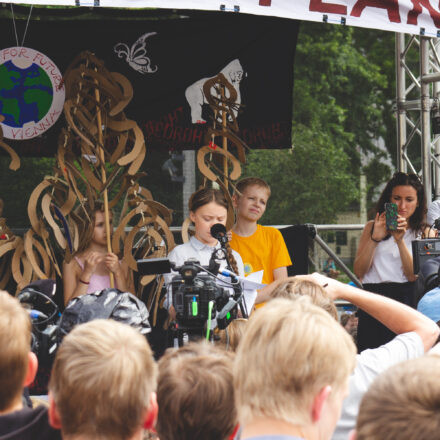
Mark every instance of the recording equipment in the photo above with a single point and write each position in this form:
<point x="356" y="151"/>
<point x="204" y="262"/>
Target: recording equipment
<point x="218" y="231"/>
<point x="198" y="298"/>
<point x="36" y="298"/>
<point x="423" y="250"/>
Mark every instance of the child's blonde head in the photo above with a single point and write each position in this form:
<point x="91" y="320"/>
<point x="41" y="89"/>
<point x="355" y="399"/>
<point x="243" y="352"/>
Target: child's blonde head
<point x="15" y="343"/>
<point x="242" y="184"/>
<point x="290" y="351"/>
<point x="231" y="336"/>
<point x="102" y="380"/>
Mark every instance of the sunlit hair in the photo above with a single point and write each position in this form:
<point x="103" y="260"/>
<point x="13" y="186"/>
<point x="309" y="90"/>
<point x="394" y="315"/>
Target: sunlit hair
<point x="230" y="337"/>
<point x="195" y="394"/>
<point x="290" y="351"/>
<point x="203" y="197"/>
<point x="402" y="403"/>
<point x="242" y="184"/>
<point x="296" y="287"/>
<point x="102" y="380"/>
<point x="417" y="220"/>
<point x="15" y="345"/>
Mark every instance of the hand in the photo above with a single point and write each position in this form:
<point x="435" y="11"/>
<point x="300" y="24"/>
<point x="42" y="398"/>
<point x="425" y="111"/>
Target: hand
<point x="229" y="235"/>
<point x="379" y="231"/>
<point x="92" y="260"/>
<point x="331" y="286"/>
<point x="112" y="262"/>
<point x="401" y="229"/>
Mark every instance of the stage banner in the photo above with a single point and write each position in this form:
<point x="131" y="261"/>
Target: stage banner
<point x="167" y="61"/>
<point x="408" y="16"/>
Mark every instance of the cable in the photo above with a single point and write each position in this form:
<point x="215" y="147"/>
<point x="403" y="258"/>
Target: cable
<point x="44" y="321"/>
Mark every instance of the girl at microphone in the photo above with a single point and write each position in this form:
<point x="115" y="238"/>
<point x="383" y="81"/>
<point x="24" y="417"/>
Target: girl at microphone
<point x="207" y="207"/>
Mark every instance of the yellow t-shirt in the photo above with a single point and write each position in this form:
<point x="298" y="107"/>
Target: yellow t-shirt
<point x="263" y="250"/>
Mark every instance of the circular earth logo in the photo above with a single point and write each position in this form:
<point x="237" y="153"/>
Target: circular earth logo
<point x="31" y="93"/>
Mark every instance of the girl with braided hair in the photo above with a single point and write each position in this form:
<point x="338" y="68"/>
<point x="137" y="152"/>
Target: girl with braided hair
<point x="207" y="207"/>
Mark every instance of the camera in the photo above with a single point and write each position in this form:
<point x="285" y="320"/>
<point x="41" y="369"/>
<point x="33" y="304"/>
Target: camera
<point x="197" y="298"/>
<point x="44" y="313"/>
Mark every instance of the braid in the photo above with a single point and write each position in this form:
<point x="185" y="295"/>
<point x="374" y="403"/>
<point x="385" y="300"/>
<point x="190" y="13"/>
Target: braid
<point x="231" y="259"/>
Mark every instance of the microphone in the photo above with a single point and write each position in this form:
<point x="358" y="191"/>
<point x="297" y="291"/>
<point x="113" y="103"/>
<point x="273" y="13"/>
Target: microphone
<point x="36" y="314"/>
<point x="218" y="231"/>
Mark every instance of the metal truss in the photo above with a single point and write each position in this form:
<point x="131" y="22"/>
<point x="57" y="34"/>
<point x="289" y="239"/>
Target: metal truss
<point x="417" y="88"/>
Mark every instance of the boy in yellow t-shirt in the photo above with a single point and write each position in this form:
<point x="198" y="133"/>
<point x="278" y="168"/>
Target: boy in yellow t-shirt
<point x="260" y="247"/>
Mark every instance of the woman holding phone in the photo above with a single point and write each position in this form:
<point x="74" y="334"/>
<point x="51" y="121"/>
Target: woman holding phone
<point x="384" y="261"/>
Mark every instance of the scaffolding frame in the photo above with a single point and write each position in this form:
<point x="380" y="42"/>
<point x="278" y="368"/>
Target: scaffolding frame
<point x="413" y="116"/>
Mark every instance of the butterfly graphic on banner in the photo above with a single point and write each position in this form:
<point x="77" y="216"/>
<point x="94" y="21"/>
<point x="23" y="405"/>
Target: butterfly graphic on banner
<point x="136" y="57"/>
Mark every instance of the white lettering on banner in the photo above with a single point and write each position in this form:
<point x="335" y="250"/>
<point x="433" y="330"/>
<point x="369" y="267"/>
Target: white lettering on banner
<point x="408" y="16"/>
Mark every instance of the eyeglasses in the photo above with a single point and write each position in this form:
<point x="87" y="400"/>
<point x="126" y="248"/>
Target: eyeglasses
<point x="410" y="176"/>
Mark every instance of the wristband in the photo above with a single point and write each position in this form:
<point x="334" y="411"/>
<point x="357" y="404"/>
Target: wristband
<point x="376" y="241"/>
<point x="84" y="282"/>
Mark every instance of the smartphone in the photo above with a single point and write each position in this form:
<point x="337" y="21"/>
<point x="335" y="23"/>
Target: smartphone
<point x="391" y="216"/>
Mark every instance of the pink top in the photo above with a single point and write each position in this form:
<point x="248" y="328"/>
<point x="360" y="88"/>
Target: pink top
<point x="97" y="282"/>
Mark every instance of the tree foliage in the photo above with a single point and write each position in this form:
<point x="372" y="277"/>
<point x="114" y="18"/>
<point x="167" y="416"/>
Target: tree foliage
<point x="343" y="92"/>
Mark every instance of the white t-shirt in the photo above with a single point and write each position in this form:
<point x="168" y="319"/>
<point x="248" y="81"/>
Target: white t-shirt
<point x="387" y="265"/>
<point x="370" y="363"/>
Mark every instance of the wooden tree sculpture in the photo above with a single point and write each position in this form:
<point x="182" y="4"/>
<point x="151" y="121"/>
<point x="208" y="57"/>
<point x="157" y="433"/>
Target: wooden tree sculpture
<point x="218" y="163"/>
<point x="99" y="156"/>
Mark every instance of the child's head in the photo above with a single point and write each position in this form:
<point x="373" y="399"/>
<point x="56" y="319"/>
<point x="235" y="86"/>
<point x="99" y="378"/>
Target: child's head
<point x="18" y="365"/>
<point x="292" y="354"/>
<point x="295" y="287"/>
<point x="92" y="231"/>
<point x="103" y="382"/>
<point x="195" y="394"/>
<point x="231" y="336"/>
<point x="207" y="207"/>
<point x="250" y="198"/>
<point x="402" y="403"/>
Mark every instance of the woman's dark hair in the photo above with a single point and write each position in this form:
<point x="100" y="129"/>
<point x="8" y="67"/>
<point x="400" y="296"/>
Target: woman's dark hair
<point x="417" y="220"/>
<point x="207" y="195"/>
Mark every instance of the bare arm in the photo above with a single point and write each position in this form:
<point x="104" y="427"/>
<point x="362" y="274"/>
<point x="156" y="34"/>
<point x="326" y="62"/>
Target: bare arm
<point x="398" y="317"/>
<point x="367" y="246"/>
<point x="265" y="294"/>
<point x="71" y="285"/>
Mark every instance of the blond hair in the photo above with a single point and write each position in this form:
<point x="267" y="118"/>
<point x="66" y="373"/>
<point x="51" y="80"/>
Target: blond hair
<point x="231" y="336"/>
<point x="195" y="394"/>
<point x="102" y="380"/>
<point x="290" y="351"/>
<point x="242" y="184"/>
<point x="15" y="343"/>
<point x="402" y="403"/>
<point x="296" y="287"/>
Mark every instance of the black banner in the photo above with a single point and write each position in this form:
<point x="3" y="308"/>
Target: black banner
<point x="167" y="59"/>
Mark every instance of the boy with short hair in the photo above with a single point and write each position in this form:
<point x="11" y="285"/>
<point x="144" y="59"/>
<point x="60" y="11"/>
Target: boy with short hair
<point x="103" y="383"/>
<point x="260" y="247"/>
<point x="18" y="367"/>
<point x="402" y="403"/>
<point x="291" y="372"/>
<point x="195" y="394"/>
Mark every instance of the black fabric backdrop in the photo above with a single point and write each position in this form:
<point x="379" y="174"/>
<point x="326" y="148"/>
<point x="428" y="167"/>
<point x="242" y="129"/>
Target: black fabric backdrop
<point x="187" y="47"/>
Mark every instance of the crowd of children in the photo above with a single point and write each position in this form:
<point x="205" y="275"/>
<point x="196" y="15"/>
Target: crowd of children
<point x="289" y="372"/>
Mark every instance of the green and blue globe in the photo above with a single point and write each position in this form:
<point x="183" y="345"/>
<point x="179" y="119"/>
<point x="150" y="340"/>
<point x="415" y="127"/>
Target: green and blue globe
<point x="26" y="95"/>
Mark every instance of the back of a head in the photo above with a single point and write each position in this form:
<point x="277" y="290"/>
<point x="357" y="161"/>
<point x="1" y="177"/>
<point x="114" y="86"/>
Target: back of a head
<point x="402" y="403"/>
<point x="15" y="343"/>
<point x="296" y="287"/>
<point x="231" y="336"/>
<point x="289" y="352"/>
<point x="102" y="380"/>
<point x="195" y="394"/>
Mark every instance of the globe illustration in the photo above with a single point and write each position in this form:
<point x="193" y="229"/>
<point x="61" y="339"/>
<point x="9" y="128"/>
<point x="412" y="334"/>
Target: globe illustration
<point x="25" y="94"/>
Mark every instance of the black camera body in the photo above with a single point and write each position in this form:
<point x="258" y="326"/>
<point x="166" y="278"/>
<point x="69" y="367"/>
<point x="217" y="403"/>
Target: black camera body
<point x="423" y="250"/>
<point x="192" y="293"/>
